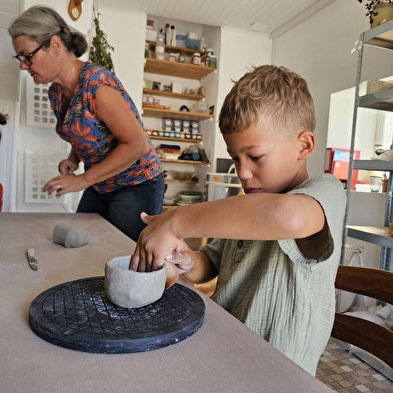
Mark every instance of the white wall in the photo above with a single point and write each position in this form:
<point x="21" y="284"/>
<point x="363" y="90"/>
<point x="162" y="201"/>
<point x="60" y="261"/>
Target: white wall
<point x="125" y="32"/>
<point x="319" y="50"/>
<point x="9" y="87"/>
<point x="240" y="51"/>
<point x="40" y="139"/>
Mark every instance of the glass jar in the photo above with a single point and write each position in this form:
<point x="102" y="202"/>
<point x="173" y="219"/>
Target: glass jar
<point x="160" y="48"/>
<point x="182" y="57"/>
<point x="172" y="57"/>
<point x="196" y="59"/>
<point x="212" y="61"/>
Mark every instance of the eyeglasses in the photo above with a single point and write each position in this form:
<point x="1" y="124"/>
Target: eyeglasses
<point x="27" y="59"/>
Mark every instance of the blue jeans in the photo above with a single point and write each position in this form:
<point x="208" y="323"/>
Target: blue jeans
<point x="123" y="207"/>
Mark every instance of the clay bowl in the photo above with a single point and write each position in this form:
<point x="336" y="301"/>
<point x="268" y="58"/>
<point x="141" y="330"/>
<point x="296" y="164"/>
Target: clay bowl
<point x="130" y="289"/>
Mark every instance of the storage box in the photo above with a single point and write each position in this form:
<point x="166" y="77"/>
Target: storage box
<point x="192" y="43"/>
<point x="176" y="87"/>
<point x="372" y="87"/>
<point x="151" y="35"/>
<point x="181" y="41"/>
<point x="200" y="107"/>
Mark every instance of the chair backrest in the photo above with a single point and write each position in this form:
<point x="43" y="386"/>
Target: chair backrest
<point x="369" y="336"/>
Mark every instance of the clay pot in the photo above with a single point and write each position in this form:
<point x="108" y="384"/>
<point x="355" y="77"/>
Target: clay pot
<point x="384" y="13"/>
<point x="130" y="289"/>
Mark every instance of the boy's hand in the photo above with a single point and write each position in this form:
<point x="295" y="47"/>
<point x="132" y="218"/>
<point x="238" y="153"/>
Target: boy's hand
<point x="155" y="242"/>
<point x="178" y="262"/>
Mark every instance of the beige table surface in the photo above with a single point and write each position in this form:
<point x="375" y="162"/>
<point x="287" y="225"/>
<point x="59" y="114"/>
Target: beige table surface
<point x="222" y="356"/>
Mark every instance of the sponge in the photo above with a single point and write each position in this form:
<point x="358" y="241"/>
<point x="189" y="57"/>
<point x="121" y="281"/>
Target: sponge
<point x="70" y="236"/>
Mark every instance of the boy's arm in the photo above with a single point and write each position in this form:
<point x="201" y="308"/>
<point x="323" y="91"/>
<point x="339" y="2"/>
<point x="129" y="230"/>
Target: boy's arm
<point x="253" y="217"/>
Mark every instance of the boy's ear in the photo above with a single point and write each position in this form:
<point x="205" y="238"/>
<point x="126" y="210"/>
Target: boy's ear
<point x="306" y="144"/>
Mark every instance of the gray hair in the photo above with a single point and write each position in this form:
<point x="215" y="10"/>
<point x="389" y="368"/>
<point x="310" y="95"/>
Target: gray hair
<point x="41" y="23"/>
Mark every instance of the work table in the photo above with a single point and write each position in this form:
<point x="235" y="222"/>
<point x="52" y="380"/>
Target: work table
<point x="222" y="356"/>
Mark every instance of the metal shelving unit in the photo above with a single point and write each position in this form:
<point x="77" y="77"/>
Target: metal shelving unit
<point x="378" y="37"/>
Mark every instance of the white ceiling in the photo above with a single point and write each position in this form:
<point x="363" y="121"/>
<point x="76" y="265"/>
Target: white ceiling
<point x="271" y="16"/>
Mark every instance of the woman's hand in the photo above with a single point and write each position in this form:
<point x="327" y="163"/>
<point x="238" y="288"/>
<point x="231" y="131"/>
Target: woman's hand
<point x="63" y="184"/>
<point x="67" y="167"/>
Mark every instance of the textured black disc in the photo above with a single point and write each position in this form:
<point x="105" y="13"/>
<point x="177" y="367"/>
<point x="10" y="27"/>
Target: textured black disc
<point x="79" y="316"/>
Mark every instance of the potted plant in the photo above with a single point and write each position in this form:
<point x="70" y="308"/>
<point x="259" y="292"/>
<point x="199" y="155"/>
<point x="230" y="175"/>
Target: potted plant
<point x="378" y="11"/>
<point x="100" y="51"/>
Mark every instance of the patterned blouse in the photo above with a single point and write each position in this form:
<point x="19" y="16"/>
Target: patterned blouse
<point x="91" y="139"/>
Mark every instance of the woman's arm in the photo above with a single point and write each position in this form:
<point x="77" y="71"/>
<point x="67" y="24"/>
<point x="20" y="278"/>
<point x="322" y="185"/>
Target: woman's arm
<point x="115" y="113"/>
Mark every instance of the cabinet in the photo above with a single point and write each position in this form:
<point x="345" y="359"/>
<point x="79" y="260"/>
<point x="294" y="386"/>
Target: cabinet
<point x="164" y="72"/>
<point x="377" y="39"/>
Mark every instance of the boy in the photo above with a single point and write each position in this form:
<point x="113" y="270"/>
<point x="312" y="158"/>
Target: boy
<point x="276" y="248"/>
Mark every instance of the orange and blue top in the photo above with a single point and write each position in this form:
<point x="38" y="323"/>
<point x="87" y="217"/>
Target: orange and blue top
<point x="90" y="138"/>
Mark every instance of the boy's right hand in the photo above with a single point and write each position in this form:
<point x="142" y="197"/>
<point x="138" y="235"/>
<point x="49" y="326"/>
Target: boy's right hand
<point x="155" y="243"/>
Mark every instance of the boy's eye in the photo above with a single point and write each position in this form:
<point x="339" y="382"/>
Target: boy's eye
<point x="255" y="158"/>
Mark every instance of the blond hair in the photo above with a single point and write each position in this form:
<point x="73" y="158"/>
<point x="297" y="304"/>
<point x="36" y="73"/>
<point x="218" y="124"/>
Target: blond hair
<point x="279" y="95"/>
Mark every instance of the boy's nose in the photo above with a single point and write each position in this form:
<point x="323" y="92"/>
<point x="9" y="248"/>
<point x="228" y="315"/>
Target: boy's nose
<point x="243" y="172"/>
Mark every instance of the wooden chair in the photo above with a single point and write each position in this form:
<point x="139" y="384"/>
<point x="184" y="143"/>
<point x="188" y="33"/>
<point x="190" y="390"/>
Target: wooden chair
<point x="369" y="336"/>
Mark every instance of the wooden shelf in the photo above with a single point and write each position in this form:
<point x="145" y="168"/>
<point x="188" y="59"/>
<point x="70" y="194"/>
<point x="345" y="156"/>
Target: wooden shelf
<point x="181" y="181"/>
<point x="164" y="138"/>
<point x="168" y="207"/>
<point x="177" y="49"/>
<point x="177" y="115"/>
<point x="185" y="162"/>
<point x="170" y="94"/>
<point x="181" y="70"/>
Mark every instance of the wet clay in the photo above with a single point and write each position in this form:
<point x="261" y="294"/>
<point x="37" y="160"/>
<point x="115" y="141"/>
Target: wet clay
<point x="70" y="236"/>
<point x="130" y="289"/>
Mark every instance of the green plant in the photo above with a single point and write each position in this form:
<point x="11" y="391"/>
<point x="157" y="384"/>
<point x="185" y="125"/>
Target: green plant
<point x="100" y="51"/>
<point x="370" y="7"/>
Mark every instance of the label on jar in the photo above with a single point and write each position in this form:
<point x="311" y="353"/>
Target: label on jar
<point x="196" y="59"/>
<point x="212" y="62"/>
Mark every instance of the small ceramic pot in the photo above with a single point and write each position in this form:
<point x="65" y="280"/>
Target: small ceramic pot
<point x="130" y="289"/>
<point x="383" y="12"/>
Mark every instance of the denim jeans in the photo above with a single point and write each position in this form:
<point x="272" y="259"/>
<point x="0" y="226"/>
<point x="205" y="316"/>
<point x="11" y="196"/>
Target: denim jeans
<point x="123" y="207"/>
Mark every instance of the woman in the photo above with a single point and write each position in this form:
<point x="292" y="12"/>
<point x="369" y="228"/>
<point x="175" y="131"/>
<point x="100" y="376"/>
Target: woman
<point x="95" y="114"/>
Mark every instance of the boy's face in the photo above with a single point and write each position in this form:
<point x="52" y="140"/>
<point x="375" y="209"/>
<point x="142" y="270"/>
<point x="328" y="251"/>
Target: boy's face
<point x="267" y="160"/>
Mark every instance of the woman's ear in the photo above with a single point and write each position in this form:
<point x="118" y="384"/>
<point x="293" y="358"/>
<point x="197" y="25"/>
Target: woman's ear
<point x="56" y="44"/>
<point x="306" y="144"/>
